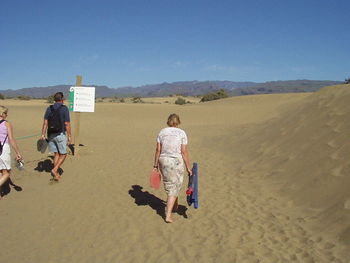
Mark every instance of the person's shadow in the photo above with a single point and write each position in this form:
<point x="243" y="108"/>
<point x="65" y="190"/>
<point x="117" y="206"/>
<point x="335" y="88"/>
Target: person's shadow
<point x="6" y="189"/>
<point x="47" y="166"/>
<point x="44" y="166"/>
<point x="146" y="198"/>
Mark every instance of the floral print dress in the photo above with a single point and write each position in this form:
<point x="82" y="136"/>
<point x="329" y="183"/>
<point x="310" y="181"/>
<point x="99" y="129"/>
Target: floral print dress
<point x="171" y="162"/>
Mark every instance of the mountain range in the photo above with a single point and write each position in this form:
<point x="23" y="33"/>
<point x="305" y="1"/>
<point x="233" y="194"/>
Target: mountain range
<point x="185" y="88"/>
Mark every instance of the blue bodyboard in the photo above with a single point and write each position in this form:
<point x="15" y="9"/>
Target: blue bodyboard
<point x="192" y="190"/>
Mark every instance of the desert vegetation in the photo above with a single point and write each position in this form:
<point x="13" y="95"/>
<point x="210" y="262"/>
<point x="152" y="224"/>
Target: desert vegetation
<point x="23" y="97"/>
<point x="50" y="99"/>
<point x="180" y="101"/>
<point x="220" y="94"/>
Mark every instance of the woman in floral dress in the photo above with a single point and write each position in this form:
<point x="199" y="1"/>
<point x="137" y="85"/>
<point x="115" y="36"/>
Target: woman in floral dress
<point x="172" y="158"/>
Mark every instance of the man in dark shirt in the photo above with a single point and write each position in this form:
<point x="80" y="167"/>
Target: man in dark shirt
<point x="58" y="141"/>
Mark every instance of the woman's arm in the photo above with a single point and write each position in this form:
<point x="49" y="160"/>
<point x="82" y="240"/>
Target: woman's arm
<point x="156" y="155"/>
<point x="186" y="158"/>
<point x="12" y="140"/>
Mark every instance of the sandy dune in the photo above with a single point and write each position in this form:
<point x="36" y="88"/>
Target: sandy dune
<point x="274" y="178"/>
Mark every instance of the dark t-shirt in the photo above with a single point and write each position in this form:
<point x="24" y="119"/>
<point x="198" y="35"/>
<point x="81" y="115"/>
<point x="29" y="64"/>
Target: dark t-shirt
<point x="64" y="114"/>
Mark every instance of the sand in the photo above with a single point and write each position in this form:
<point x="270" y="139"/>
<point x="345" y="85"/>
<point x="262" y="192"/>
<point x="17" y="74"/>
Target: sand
<point x="274" y="174"/>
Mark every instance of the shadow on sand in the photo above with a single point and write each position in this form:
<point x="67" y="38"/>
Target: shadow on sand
<point x="47" y="166"/>
<point x="146" y="198"/>
<point x="6" y="189"/>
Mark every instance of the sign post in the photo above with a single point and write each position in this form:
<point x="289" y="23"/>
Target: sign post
<point x="81" y="99"/>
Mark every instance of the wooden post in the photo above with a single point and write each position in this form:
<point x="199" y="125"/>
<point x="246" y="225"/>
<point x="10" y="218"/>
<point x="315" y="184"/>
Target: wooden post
<point x="78" y="83"/>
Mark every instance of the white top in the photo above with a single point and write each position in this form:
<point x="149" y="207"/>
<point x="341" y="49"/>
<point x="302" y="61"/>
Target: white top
<point x="171" y="139"/>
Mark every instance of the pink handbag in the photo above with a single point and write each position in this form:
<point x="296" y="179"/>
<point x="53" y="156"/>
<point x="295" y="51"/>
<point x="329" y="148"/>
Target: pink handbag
<point x="155" y="179"/>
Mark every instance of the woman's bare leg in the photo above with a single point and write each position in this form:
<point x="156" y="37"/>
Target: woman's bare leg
<point x="4" y="177"/>
<point x="176" y="204"/>
<point x="169" y="208"/>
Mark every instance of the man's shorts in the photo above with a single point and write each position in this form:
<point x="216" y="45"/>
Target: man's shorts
<point x="58" y="143"/>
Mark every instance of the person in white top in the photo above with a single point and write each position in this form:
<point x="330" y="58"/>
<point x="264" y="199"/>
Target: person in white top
<point x="172" y="158"/>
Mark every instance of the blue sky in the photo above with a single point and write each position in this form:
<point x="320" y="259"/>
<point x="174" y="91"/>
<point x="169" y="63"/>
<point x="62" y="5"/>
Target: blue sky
<point x="134" y="42"/>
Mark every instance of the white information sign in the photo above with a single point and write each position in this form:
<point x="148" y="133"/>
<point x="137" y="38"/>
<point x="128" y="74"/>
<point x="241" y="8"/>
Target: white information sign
<point x="82" y="99"/>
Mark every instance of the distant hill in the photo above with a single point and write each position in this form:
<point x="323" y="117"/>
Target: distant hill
<point x="44" y="92"/>
<point x="186" y="88"/>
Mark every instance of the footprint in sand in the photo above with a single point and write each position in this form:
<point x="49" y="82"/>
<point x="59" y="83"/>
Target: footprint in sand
<point x="297" y="128"/>
<point x="284" y="131"/>
<point x="332" y="144"/>
<point x="334" y="156"/>
<point x="328" y="245"/>
<point x="334" y="126"/>
<point x="292" y="157"/>
<point x="337" y="128"/>
<point x="347" y="204"/>
<point x="330" y="123"/>
<point x="305" y="257"/>
<point x="337" y="171"/>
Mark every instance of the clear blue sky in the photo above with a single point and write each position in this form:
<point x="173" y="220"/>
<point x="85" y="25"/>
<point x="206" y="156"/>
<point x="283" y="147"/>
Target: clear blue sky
<point x="132" y="43"/>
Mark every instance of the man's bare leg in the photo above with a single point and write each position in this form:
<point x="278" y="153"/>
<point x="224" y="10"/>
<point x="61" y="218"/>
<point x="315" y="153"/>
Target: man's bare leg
<point x="57" y="164"/>
<point x="55" y="159"/>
